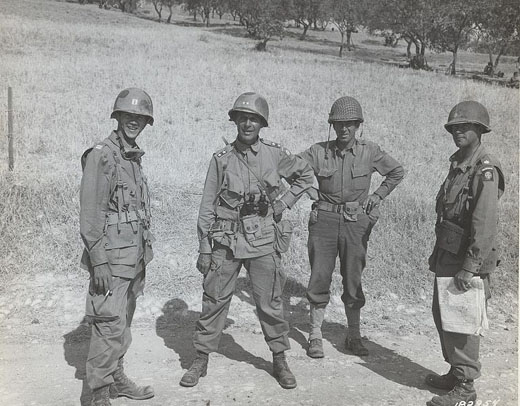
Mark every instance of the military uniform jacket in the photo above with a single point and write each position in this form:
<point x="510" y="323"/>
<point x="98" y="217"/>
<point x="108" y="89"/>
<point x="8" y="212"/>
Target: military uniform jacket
<point x="114" y="209"/>
<point x="345" y="175"/>
<point x="469" y="198"/>
<point x="229" y="182"/>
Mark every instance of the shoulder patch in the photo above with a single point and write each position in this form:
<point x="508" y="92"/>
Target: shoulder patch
<point x="487" y="173"/>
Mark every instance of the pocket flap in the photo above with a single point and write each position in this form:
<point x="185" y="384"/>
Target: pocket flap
<point x="358" y="171"/>
<point x="325" y="172"/>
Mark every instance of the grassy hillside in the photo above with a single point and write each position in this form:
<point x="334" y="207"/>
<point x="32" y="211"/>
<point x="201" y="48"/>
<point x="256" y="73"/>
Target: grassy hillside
<point x="66" y="63"/>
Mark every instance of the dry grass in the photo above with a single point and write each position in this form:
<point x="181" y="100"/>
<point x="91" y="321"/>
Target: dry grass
<point x="66" y="72"/>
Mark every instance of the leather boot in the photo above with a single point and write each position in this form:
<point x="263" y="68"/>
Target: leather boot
<point x="101" y="396"/>
<point x="124" y="386"/>
<point x="446" y="381"/>
<point x="282" y="373"/>
<point x="315" y="348"/>
<point x="462" y="393"/>
<point x="355" y="346"/>
<point x="198" y="368"/>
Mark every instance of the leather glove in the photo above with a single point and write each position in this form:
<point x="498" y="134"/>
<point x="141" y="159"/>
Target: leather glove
<point x="371" y="202"/>
<point x="204" y="263"/>
<point x="278" y="207"/>
<point x="102" y="280"/>
<point x="463" y="280"/>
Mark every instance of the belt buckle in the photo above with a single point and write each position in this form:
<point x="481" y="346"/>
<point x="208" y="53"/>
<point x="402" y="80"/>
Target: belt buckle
<point x="339" y="208"/>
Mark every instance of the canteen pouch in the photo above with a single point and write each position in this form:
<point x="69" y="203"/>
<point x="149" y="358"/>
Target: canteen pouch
<point x="451" y="237"/>
<point x="350" y="211"/>
<point x="283" y="233"/>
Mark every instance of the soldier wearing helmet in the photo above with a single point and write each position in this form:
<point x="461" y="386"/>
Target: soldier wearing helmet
<point x="115" y="228"/>
<point x="240" y="224"/>
<point x="342" y="217"/>
<point x="466" y="245"/>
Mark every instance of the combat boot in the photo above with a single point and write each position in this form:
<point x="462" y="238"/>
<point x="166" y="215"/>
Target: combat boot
<point x="462" y="393"/>
<point x="124" y="386"/>
<point x="356" y="347"/>
<point x="315" y="348"/>
<point x="198" y="368"/>
<point x="446" y="381"/>
<point x="101" y="397"/>
<point x="282" y="373"/>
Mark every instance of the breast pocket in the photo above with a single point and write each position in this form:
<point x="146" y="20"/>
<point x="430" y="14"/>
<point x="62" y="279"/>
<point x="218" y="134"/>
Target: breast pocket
<point x="361" y="177"/>
<point x="232" y="189"/>
<point x="326" y="180"/>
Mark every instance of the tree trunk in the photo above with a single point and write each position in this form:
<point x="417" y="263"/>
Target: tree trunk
<point x="195" y="15"/>
<point x="349" y="40"/>
<point x="341" y="45"/>
<point x="503" y="50"/>
<point x="304" y="33"/>
<point x="408" y="47"/>
<point x="454" y="62"/>
<point x="170" y="16"/>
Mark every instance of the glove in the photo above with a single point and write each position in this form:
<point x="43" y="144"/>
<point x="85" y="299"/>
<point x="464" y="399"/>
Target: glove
<point x="102" y="280"/>
<point x="371" y="202"/>
<point x="463" y="280"/>
<point x="204" y="263"/>
<point x="278" y="207"/>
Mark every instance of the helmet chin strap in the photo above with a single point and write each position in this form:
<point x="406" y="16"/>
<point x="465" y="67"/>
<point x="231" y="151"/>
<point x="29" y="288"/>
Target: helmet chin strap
<point x="328" y="143"/>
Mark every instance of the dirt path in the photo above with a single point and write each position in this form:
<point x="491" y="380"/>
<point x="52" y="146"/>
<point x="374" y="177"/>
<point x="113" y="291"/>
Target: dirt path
<point x="43" y="348"/>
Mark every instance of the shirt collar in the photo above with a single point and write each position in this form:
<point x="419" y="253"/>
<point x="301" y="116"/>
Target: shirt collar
<point x="352" y="145"/>
<point x="243" y="148"/>
<point x="469" y="162"/>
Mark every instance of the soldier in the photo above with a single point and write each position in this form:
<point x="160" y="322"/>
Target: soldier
<point x="467" y="204"/>
<point x="343" y="216"/>
<point x="114" y="226"/>
<point x="236" y="226"/>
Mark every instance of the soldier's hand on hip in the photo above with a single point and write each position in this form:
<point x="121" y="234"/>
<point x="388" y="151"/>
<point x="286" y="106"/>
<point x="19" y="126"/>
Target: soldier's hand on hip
<point x="370" y="203"/>
<point x="204" y="263"/>
<point x="463" y="280"/>
<point x="102" y="279"/>
<point x="278" y="207"/>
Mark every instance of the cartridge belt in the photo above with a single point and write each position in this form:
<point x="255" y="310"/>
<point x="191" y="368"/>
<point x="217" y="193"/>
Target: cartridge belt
<point x="349" y="207"/>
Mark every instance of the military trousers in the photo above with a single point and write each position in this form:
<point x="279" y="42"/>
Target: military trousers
<point x="267" y="280"/>
<point x="331" y="235"/>
<point x="461" y="351"/>
<point x="111" y="327"/>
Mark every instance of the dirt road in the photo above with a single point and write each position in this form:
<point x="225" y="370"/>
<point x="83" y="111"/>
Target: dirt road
<point x="43" y="347"/>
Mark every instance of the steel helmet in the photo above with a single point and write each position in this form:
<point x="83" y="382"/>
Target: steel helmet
<point x="469" y="112"/>
<point x="134" y="101"/>
<point x="346" y="109"/>
<point x="251" y="103"/>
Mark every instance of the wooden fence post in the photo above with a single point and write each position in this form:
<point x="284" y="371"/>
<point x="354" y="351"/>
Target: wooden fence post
<point x="10" y="127"/>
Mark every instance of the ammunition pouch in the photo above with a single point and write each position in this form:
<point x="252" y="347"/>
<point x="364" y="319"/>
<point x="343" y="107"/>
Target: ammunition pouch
<point x="350" y="210"/>
<point x="451" y="237"/>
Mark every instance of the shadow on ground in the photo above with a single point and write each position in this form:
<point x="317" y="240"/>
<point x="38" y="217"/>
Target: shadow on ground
<point x="75" y="349"/>
<point x="177" y="325"/>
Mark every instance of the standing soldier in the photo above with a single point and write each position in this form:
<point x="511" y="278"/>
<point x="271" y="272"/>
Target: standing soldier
<point x="467" y="205"/>
<point x="114" y="226"/>
<point x="343" y="216"/>
<point x="236" y="226"/>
